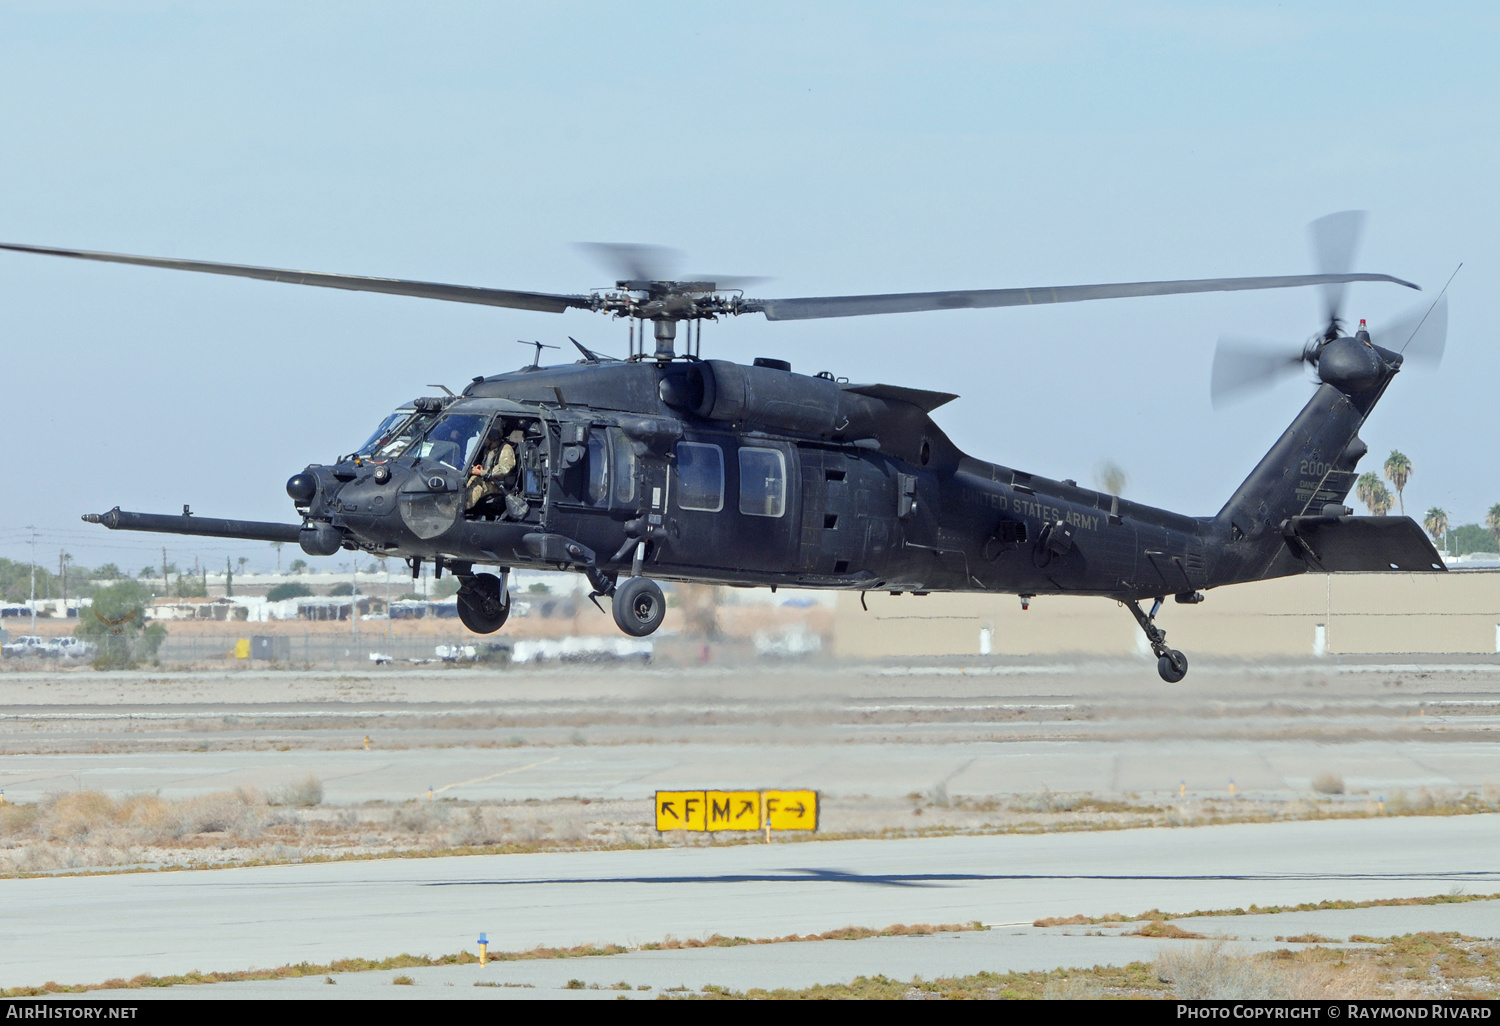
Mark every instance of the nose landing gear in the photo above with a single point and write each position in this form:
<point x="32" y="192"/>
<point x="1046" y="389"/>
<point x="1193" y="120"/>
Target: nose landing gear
<point x="483" y="602"/>
<point x="1171" y="664"/>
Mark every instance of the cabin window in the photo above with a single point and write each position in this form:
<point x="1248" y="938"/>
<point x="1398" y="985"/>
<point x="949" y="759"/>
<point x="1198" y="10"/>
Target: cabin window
<point x="585" y="469"/>
<point x="762" y="482"/>
<point x="700" y="476"/>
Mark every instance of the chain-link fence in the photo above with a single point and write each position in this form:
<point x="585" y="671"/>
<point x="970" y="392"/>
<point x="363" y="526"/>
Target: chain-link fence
<point x="323" y="649"/>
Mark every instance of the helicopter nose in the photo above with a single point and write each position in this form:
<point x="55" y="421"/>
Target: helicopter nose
<point x="302" y="487"/>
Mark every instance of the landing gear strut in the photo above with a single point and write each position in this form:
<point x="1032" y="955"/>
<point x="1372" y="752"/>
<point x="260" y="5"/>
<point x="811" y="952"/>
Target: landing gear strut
<point x="1170" y="663"/>
<point x="483" y="602"/>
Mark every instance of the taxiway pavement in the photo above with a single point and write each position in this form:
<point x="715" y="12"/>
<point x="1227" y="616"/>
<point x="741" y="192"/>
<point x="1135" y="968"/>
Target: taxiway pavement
<point x="88" y="929"/>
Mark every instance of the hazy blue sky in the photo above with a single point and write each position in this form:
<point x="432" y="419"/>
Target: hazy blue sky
<point x="838" y="148"/>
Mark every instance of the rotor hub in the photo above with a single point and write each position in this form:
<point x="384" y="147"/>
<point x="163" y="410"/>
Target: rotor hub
<point x="666" y="337"/>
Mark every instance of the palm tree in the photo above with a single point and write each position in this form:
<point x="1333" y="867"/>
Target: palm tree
<point x="1492" y="521"/>
<point x="1398" y="471"/>
<point x="1436" y="522"/>
<point x="277" y="546"/>
<point x="1383" y="501"/>
<point x="1372" y="492"/>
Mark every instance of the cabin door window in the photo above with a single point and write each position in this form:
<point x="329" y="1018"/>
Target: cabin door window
<point x="700" y="477"/>
<point x="762" y="482"/>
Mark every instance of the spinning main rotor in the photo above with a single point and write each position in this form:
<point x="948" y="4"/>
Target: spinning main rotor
<point x="648" y="296"/>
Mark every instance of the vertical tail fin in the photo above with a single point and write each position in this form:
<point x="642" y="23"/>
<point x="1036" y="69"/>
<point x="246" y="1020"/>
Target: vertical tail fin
<point x="1312" y="465"/>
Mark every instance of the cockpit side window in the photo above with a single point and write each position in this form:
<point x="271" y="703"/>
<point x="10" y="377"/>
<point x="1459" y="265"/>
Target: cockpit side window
<point x="453" y="440"/>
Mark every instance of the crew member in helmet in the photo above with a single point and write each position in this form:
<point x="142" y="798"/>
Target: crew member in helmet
<point x="496" y="462"/>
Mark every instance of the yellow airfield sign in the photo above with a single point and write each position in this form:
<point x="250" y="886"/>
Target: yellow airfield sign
<point x="733" y="810"/>
<point x="791" y="810"/>
<point x="681" y="810"/>
<point x="736" y="810"/>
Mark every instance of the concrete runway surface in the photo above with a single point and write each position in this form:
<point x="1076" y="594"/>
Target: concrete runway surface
<point x="87" y="929"/>
<point x="978" y="729"/>
<point x="1262" y="768"/>
<point x="1020" y="948"/>
<point x="986" y="728"/>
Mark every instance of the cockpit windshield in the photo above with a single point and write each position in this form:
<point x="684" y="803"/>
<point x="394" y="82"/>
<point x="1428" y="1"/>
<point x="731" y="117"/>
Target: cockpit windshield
<point x="396" y="434"/>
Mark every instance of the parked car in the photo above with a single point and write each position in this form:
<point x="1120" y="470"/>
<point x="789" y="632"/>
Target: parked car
<point x="75" y="648"/>
<point x="31" y="646"/>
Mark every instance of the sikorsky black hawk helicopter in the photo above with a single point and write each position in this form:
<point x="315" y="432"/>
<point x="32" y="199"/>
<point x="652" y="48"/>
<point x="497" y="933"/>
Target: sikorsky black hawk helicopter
<point x="667" y="466"/>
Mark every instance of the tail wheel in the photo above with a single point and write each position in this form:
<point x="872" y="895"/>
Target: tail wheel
<point x="1172" y="666"/>
<point x="639" y="607"/>
<point x="482" y="606"/>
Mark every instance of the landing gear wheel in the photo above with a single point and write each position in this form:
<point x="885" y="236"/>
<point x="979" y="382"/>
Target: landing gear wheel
<point x="638" y="606"/>
<point x="1172" y="666"/>
<point x="481" y="605"/>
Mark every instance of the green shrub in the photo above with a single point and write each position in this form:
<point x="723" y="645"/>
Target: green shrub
<point x="289" y="590"/>
<point x="116" y="625"/>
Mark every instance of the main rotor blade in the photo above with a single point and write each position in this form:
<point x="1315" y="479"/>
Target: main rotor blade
<point x="1243" y="365"/>
<point x="1419" y="334"/>
<point x="634" y="261"/>
<point x="540" y="301"/>
<point x="725" y="282"/>
<point x="911" y="302"/>
<point x="1334" y="240"/>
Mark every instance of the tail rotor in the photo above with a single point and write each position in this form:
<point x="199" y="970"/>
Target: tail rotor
<point x="1243" y="366"/>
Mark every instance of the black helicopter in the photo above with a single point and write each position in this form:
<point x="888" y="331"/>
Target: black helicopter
<point x="667" y="466"/>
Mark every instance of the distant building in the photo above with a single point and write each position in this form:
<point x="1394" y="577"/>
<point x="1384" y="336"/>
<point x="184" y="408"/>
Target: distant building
<point x="1305" y="616"/>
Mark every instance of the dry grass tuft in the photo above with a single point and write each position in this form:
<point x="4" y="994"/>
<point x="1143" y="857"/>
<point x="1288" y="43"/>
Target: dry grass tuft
<point x="1328" y="783"/>
<point x="1081" y="920"/>
<point x="1171" y="931"/>
<point x="305" y="793"/>
<point x="1073" y="988"/>
<point x="1212" y="972"/>
<point x="1063" y="921"/>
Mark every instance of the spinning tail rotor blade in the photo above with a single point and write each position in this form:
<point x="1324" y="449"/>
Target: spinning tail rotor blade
<point x="1243" y="366"/>
<point x="1334" y="240"/>
<point x="1419" y="334"/>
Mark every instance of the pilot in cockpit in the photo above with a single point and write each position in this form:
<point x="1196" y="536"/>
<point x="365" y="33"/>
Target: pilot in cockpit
<point x="494" y="472"/>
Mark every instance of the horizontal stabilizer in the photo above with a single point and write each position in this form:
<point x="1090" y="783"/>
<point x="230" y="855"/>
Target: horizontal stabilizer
<point x="1334" y="544"/>
<point x="919" y="397"/>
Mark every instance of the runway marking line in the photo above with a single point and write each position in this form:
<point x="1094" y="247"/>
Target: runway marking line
<point x="492" y="776"/>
